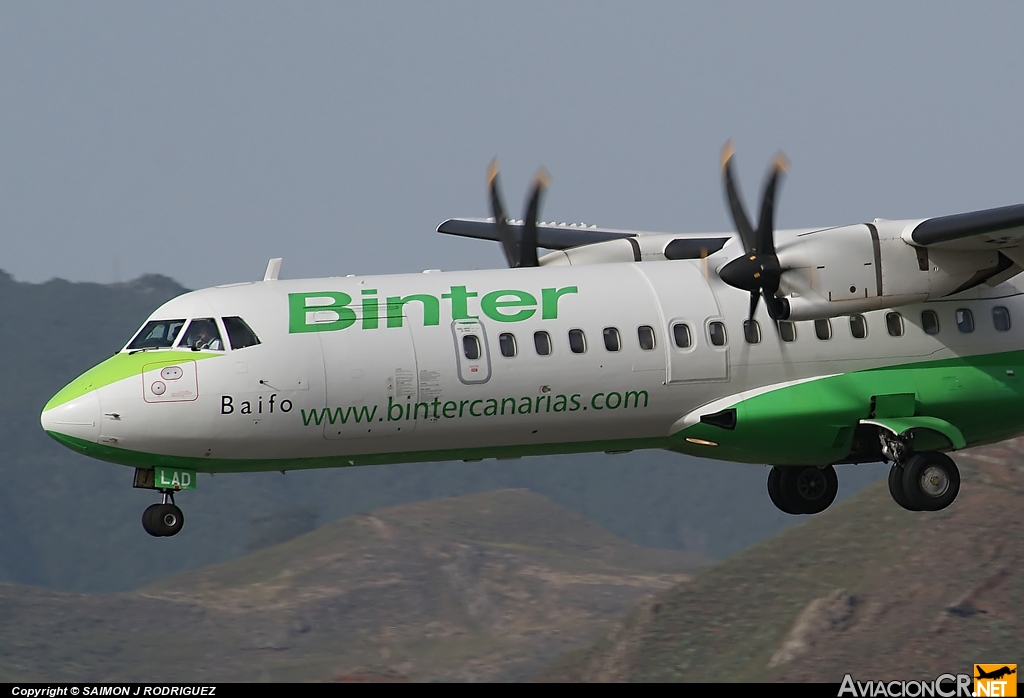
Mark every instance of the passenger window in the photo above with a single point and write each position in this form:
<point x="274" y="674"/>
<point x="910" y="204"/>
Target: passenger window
<point x="929" y="322"/>
<point x="716" y="332"/>
<point x="202" y="335"/>
<point x="681" y="334"/>
<point x="787" y="331"/>
<point x="965" y="320"/>
<point x="611" y="339"/>
<point x="156" y="334"/>
<point x="1001" y="318"/>
<point x="577" y="342"/>
<point x="239" y="333"/>
<point x="542" y="342"/>
<point x="858" y="326"/>
<point x="471" y="346"/>
<point x="823" y="329"/>
<point x="894" y="324"/>
<point x="752" y="331"/>
<point x="507" y="342"/>
<point x="645" y="334"/>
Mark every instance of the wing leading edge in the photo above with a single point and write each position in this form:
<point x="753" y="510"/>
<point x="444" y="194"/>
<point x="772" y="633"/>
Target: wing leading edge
<point x="549" y="236"/>
<point x="993" y="228"/>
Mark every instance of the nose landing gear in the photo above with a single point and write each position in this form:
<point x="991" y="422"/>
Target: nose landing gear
<point x="926" y="481"/>
<point x="802" y="490"/>
<point x="163" y="519"/>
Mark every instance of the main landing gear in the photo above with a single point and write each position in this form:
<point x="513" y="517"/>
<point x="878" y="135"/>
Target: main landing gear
<point x="802" y="490"/>
<point x="926" y="481"/>
<point x="163" y="519"/>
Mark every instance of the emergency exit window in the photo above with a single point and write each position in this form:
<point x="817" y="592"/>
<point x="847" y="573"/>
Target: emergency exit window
<point x="471" y="346"/>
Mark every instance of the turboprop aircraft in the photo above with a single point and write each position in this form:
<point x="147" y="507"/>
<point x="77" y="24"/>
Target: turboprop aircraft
<point x="889" y="340"/>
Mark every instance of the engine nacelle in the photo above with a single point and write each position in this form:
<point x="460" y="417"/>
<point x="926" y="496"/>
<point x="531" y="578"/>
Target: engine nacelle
<point x="651" y="247"/>
<point x="622" y="250"/>
<point x="857" y="268"/>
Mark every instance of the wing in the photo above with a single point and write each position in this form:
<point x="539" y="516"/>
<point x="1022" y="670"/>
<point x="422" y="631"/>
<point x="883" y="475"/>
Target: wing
<point x="550" y="236"/>
<point x="990" y="229"/>
<point x="581" y="243"/>
<point x="998" y="230"/>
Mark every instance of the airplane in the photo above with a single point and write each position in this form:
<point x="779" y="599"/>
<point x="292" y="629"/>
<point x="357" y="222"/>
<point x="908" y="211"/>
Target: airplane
<point x="994" y="674"/>
<point x="891" y="341"/>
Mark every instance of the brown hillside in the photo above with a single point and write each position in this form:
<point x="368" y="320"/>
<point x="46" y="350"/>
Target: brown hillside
<point x="865" y="588"/>
<point x="488" y="586"/>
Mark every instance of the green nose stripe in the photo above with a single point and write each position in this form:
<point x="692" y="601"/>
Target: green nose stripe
<point x="118" y="367"/>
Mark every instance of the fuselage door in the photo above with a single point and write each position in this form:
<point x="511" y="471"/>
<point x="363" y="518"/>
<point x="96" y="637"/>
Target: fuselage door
<point x="471" y="350"/>
<point x="371" y="382"/>
<point x="695" y="350"/>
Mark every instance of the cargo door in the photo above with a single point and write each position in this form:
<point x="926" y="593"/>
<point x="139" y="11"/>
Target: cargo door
<point x="685" y="298"/>
<point x="372" y="383"/>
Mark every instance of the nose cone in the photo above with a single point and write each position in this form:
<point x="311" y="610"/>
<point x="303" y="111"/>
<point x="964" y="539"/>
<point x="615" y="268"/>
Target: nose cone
<point x="75" y="419"/>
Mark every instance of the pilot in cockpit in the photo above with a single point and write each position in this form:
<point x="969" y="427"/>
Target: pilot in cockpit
<point x="203" y="334"/>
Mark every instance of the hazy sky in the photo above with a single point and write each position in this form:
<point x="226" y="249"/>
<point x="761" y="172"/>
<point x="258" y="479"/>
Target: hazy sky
<point x="197" y="140"/>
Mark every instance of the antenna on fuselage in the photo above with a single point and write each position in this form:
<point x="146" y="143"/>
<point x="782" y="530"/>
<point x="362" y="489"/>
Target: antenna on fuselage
<point x="273" y="269"/>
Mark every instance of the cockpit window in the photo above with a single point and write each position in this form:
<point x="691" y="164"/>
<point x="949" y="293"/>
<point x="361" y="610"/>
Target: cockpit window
<point x="202" y="334"/>
<point x="239" y="333"/>
<point x="157" y="334"/>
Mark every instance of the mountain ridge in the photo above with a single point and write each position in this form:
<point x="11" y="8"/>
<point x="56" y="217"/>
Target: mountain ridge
<point x="865" y="587"/>
<point x="487" y="586"/>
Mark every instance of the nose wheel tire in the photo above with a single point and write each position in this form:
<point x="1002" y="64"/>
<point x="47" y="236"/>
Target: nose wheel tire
<point x="803" y="490"/>
<point x="161" y="520"/>
<point x="931" y="481"/>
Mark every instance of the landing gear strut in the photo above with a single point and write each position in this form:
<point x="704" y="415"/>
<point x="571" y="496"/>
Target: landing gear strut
<point x="926" y="481"/>
<point x="163" y="519"/>
<point x="802" y="490"/>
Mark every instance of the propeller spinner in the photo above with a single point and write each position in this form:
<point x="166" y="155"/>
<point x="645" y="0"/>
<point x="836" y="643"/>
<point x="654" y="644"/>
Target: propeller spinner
<point x="758" y="271"/>
<point x="520" y="250"/>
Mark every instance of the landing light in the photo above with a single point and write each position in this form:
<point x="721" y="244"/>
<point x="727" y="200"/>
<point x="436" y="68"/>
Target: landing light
<point x="700" y="442"/>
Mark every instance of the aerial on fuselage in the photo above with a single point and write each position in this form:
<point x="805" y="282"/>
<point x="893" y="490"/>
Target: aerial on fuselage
<point x="803" y="349"/>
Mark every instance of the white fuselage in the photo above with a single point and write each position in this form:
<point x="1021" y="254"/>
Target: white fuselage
<point x="332" y="379"/>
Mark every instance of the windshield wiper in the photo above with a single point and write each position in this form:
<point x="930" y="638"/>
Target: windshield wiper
<point x="136" y="351"/>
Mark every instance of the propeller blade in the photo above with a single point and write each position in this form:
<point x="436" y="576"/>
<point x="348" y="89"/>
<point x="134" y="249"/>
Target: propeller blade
<point x="766" y="226"/>
<point x="758" y="271"/>
<point x="510" y="245"/>
<point x="528" y="245"/>
<point x="739" y="214"/>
